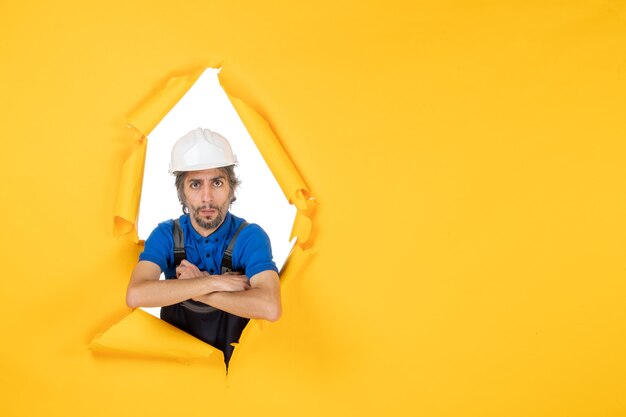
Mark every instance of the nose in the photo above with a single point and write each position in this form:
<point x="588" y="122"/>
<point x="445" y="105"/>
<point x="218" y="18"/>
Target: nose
<point x="207" y="194"/>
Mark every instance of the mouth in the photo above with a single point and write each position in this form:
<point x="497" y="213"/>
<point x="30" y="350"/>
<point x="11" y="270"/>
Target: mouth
<point x="207" y="212"/>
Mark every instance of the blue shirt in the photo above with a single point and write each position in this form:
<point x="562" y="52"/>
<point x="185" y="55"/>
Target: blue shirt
<point x="252" y="252"/>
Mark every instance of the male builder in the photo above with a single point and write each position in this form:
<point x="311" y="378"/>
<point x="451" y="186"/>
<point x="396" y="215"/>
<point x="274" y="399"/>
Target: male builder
<point x="219" y="269"/>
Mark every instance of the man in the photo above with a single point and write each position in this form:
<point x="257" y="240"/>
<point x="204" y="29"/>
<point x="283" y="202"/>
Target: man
<point x="199" y="295"/>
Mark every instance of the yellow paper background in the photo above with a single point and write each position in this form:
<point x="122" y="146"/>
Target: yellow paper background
<point x="469" y="163"/>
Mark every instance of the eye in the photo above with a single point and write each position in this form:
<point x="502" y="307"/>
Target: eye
<point x="194" y="185"/>
<point x="218" y="183"/>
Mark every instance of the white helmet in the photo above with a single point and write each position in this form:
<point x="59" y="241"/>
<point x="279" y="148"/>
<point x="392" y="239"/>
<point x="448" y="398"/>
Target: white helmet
<point x="201" y="149"/>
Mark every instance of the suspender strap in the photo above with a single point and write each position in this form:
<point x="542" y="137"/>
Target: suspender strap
<point x="227" y="259"/>
<point x="179" y="243"/>
<point x="180" y="254"/>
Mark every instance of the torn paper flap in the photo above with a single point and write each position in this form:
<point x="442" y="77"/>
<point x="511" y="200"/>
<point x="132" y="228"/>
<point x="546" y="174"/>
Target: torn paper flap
<point x="150" y="114"/>
<point x="127" y="204"/>
<point x="275" y="156"/>
<point x="295" y="262"/>
<point x="141" y="334"/>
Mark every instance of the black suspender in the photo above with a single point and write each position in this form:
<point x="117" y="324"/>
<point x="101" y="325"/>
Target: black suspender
<point x="179" y="243"/>
<point x="227" y="258"/>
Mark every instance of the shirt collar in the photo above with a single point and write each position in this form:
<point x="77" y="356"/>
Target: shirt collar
<point x="220" y="234"/>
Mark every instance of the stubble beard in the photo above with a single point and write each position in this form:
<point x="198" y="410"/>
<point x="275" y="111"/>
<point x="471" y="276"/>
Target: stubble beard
<point x="205" y="223"/>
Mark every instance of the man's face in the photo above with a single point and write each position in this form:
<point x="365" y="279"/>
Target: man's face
<point x="208" y="195"/>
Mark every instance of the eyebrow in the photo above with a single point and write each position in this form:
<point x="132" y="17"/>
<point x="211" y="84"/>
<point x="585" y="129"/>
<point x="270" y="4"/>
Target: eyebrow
<point x="219" y="177"/>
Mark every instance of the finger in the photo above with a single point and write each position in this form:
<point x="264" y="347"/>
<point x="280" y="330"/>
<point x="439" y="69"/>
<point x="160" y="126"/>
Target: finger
<point x="186" y="264"/>
<point x="245" y="283"/>
<point x="186" y="275"/>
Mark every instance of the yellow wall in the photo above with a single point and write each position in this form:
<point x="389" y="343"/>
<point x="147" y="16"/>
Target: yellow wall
<point x="469" y="163"/>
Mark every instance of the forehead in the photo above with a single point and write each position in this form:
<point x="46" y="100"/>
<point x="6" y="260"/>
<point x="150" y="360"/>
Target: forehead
<point x="205" y="174"/>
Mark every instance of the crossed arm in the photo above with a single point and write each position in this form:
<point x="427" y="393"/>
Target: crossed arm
<point x="258" y="299"/>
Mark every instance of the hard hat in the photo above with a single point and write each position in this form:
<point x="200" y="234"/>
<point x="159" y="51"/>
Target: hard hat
<point x="201" y="149"/>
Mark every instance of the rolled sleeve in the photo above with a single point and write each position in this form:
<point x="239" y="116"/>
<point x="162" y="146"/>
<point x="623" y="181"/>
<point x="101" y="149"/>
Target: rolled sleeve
<point x="159" y="246"/>
<point x="253" y="253"/>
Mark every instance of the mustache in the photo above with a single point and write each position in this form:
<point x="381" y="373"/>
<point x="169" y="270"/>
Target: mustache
<point x="209" y="206"/>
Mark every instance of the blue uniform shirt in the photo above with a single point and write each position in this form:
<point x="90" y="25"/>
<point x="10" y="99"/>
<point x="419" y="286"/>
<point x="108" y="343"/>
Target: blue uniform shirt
<point x="252" y="252"/>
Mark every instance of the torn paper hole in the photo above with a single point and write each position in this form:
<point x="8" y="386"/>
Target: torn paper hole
<point x="259" y="198"/>
<point x="272" y="180"/>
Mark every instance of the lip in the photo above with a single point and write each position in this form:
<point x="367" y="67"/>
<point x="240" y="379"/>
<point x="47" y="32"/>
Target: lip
<point x="207" y="212"/>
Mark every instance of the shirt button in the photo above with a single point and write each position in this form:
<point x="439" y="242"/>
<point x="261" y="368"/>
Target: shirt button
<point x="206" y="240"/>
<point x="211" y="271"/>
<point x="208" y="255"/>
